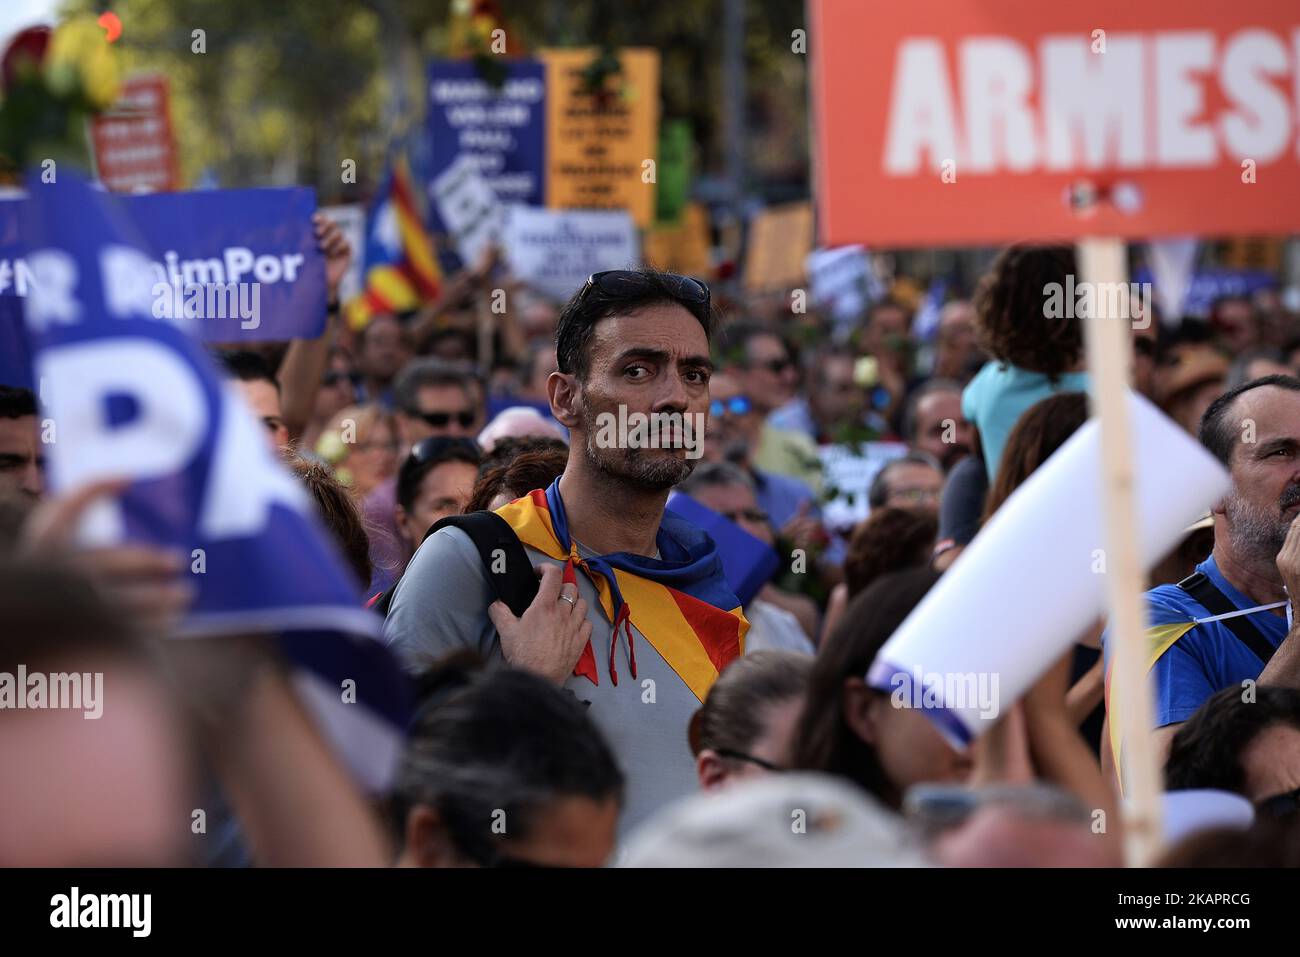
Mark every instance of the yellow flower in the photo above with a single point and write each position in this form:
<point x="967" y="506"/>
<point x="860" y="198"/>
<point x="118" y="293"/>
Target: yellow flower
<point x="331" y="448"/>
<point x="80" y="57"/>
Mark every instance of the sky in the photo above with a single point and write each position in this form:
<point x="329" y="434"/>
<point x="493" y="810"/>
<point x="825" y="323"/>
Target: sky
<point x="17" y="14"/>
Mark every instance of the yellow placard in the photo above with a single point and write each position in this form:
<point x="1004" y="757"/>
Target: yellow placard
<point x="684" y="248"/>
<point x="601" y="146"/>
<point x="780" y="239"/>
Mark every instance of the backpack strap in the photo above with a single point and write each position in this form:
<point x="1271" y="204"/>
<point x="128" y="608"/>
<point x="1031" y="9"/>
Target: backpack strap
<point x="504" y="560"/>
<point x="1200" y="588"/>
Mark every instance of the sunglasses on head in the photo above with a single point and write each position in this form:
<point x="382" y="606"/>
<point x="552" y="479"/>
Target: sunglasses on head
<point x="438" y="445"/>
<point x="440" y="420"/>
<point x="736" y="405"/>
<point x="628" y="284"/>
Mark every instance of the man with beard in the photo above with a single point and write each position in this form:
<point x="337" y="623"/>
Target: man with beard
<point x="657" y="620"/>
<point x="1255" y="431"/>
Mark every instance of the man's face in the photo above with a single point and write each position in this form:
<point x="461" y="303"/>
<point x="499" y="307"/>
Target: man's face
<point x="737" y="503"/>
<point x="769" y="376"/>
<point x="653" y="362"/>
<point x="264" y="399"/>
<point x="836" y="398"/>
<point x="941" y="429"/>
<point x="444" y="410"/>
<point x="733" y="434"/>
<point x="1236" y="325"/>
<point x="915" y="486"/>
<point x="1271" y="763"/>
<point x="956" y="340"/>
<point x="1265" y="495"/>
<point x="22" y="458"/>
<point x="384" y="348"/>
<point x="445" y="490"/>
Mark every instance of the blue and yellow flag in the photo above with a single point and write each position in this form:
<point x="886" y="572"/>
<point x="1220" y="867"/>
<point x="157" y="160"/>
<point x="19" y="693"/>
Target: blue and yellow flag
<point x="680" y="601"/>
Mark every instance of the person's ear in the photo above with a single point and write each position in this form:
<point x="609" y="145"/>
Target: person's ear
<point x="710" y="769"/>
<point x="1219" y="507"/>
<point x="566" y="402"/>
<point x="427" y="842"/>
<point x="860" y="710"/>
<point x="400" y="516"/>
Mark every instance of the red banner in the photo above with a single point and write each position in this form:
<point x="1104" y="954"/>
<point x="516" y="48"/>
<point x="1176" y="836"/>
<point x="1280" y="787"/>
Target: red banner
<point x="135" y="150"/>
<point x="956" y="122"/>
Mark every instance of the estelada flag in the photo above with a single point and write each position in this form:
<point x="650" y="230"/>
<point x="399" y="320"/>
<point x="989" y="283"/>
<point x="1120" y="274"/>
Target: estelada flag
<point x="401" y="269"/>
<point x="680" y="602"/>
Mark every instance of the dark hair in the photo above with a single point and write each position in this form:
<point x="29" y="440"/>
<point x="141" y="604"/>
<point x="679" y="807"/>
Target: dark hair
<point x="590" y="304"/>
<point x="1241" y="364"/>
<point x="1206" y="751"/>
<point x="731" y="718"/>
<point x="432" y="453"/>
<point x="1010" y="305"/>
<point x="823" y="740"/>
<point x="878" y="493"/>
<point x="533" y="463"/>
<point x="51" y="610"/>
<point x="907" y="425"/>
<point x="738" y="335"/>
<point x="1042" y="429"/>
<point x="246" y="366"/>
<point x="422" y="373"/>
<point x="888" y="540"/>
<point x="1266" y="843"/>
<point x="715" y="475"/>
<point x="1219" y="435"/>
<point x="16" y="403"/>
<point x="337" y="510"/>
<point x="496" y="740"/>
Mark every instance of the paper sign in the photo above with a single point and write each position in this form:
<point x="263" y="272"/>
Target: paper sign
<point x="501" y="129"/>
<point x="555" y="252"/>
<point x="132" y="143"/>
<point x="780" y="239"/>
<point x="684" y="249"/>
<point x="849" y="474"/>
<point x="469" y="209"/>
<point x="598" y="143"/>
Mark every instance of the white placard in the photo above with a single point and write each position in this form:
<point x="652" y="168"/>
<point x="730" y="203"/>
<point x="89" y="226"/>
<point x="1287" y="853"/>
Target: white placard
<point x="1035" y="577"/>
<point x="555" y="251"/>
<point x="470" y="210"/>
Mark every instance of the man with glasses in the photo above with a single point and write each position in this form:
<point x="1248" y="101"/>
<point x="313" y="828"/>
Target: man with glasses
<point x="434" y="398"/>
<point x="760" y="361"/>
<point x="657" y="620"/>
<point x="914" y="481"/>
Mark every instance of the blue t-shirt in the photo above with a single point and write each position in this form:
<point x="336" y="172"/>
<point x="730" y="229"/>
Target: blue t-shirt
<point x="1000" y="393"/>
<point x="1208" y="658"/>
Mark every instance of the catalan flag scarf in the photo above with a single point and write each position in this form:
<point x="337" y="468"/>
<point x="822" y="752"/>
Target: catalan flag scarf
<point x="1159" y="639"/>
<point x="679" y="601"/>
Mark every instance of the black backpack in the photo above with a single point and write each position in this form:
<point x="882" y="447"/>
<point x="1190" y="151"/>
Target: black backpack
<point x="515" y="585"/>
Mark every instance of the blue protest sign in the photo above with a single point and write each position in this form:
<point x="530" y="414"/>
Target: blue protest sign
<point x="243" y="262"/>
<point x="502" y="130"/>
<point x="133" y="395"/>
<point x="748" y="563"/>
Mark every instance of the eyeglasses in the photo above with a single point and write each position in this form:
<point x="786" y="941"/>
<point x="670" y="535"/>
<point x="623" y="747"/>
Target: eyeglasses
<point x="749" y="758"/>
<point x="440" y="420"/>
<point x="736" y="405"/>
<point x="775" y="366"/>
<point x="1280" y="805"/>
<point x="439" y="445"/>
<point x="916" y="494"/>
<point x="334" y="377"/>
<point x="628" y="284"/>
<point x="756" y="515"/>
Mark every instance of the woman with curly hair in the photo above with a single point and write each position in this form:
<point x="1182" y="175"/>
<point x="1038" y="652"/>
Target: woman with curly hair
<point x="1037" y="349"/>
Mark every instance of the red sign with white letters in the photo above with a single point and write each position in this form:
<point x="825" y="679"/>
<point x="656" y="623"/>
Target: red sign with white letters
<point x="135" y="150"/>
<point x="986" y="121"/>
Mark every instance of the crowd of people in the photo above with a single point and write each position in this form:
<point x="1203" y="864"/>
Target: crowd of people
<point x="602" y="679"/>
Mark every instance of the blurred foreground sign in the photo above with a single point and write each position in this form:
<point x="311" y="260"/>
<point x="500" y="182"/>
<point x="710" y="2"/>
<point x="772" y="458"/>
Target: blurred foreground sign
<point x="964" y="122"/>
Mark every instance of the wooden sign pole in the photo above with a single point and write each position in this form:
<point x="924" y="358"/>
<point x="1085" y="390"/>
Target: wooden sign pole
<point x="1110" y="350"/>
